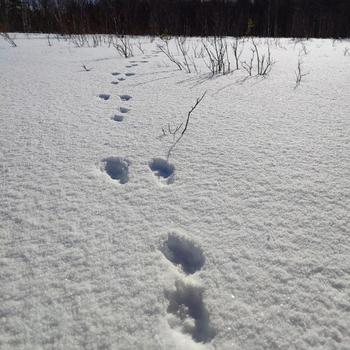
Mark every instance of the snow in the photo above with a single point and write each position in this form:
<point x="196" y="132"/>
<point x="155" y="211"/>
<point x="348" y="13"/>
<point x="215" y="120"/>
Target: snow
<point x="240" y="240"/>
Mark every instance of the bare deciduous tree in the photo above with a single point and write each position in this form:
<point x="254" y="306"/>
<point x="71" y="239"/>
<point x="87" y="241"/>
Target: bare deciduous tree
<point x="248" y="66"/>
<point x="263" y="61"/>
<point x="139" y="46"/>
<point x="183" y="48"/>
<point x="186" y="62"/>
<point x="217" y="55"/>
<point x="237" y="51"/>
<point x="123" y="45"/>
<point x="164" y="48"/>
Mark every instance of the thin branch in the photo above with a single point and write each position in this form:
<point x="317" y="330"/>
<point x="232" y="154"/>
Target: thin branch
<point x="198" y="101"/>
<point x="86" y="69"/>
<point x="7" y="37"/>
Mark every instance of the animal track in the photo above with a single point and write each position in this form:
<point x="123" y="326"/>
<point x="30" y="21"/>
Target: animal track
<point x="163" y="169"/>
<point x="118" y="118"/>
<point x="183" y="252"/>
<point x="124" y="110"/>
<point x="115" y="82"/>
<point x="130" y="66"/>
<point x="121" y="79"/>
<point x="134" y="65"/>
<point x="115" y="73"/>
<point x="104" y="96"/>
<point x="125" y="97"/>
<point x="117" y="168"/>
<point x="129" y="74"/>
<point x="186" y="307"/>
<point x="191" y="315"/>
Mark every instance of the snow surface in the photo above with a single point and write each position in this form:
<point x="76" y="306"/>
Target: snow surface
<point x="246" y="247"/>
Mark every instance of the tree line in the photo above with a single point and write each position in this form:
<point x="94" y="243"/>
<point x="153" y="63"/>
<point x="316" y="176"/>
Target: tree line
<point x="269" y="18"/>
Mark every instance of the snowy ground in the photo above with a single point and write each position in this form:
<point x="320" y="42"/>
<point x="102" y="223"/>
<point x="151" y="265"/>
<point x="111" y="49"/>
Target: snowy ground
<point x="245" y="244"/>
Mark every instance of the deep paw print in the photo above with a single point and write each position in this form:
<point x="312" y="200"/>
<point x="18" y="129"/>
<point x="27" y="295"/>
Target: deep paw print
<point x="163" y="169"/>
<point x="184" y="253"/>
<point x="188" y="313"/>
<point x="104" y="97"/>
<point x="117" y="168"/>
<point x="125" y="97"/>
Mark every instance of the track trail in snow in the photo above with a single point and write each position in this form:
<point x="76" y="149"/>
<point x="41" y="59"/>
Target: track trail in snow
<point x="162" y="169"/>
<point x="186" y="309"/>
<point x="117" y="167"/>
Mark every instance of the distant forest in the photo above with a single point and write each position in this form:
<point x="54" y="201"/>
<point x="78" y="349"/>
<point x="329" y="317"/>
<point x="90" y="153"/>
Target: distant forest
<point x="268" y="18"/>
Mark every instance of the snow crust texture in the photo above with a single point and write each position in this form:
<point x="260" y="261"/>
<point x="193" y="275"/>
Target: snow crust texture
<point x="238" y="240"/>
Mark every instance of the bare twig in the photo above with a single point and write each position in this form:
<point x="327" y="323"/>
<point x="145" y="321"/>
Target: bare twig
<point x="123" y="46"/>
<point x="86" y="69"/>
<point x="236" y="51"/>
<point x="248" y="66"/>
<point x="182" y="47"/>
<point x="198" y="101"/>
<point x="303" y="50"/>
<point x="216" y="50"/>
<point x="165" y="49"/>
<point x="139" y="46"/>
<point x="299" y="75"/>
<point x="7" y="37"/>
<point x="264" y="63"/>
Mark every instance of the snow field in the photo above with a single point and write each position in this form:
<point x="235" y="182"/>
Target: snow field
<point x="240" y="240"/>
